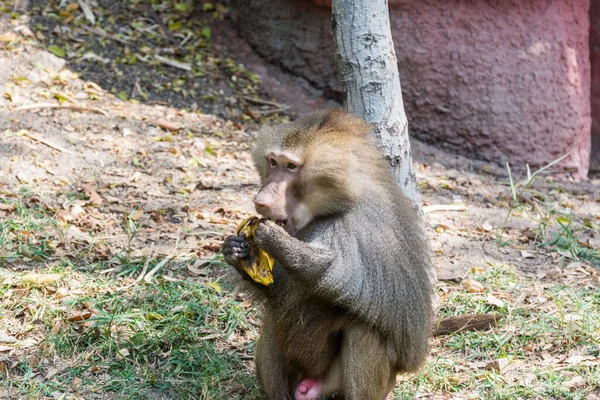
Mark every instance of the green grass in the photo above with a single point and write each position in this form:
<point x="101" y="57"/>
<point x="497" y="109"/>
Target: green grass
<point x="191" y="340"/>
<point x="168" y="336"/>
<point x="183" y="339"/>
<point x="567" y="323"/>
<point x="26" y="232"/>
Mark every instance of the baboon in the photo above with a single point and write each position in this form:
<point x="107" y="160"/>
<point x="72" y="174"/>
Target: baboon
<point x="351" y="302"/>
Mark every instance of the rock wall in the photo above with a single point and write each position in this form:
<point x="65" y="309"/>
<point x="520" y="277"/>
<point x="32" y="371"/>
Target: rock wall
<point x="497" y="80"/>
<point x="595" y="58"/>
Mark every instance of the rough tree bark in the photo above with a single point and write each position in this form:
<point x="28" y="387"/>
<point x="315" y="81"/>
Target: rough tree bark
<point x="368" y="72"/>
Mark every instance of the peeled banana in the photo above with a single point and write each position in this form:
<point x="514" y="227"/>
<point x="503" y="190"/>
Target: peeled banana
<point x="259" y="265"/>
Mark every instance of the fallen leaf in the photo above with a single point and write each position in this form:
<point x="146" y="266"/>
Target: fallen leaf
<point x="168" y="125"/>
<point x="527" y="379"/>
<point x="8" y="37"/>
<point x="29" y="342"/>
<point x="171" y="279"/>
<point x="6" y="338"/>
<point x="61" y="293"/>
<point x="197" y="269"/>
<point x="215" y="286"/>
<point x="472" y="286"/>
<point x="75" y="234"/>
<point x="7" y="207"/>
<point x="77" y="210"/>
<point x="499" y="364"/>
<point x="90" y="191"/>
<point x="123" y="352"/>
<point x="40" y="279"/>
<point x="526" y="254"/>
<point x="81" y="315"/>
<point x="493" y="300"/>
<point x="574" y="359"/>
<point x="457" y="379"/>
<point x="51" y="372"/>
<point x="574" y="383"/>
<point x="76" y="383"/>
<point x="57" y="51"/>
<point x="485" y="227"/>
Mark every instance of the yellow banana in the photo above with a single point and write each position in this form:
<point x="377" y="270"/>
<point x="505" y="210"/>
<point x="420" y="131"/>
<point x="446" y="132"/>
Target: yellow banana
<point x="260" y="264"/>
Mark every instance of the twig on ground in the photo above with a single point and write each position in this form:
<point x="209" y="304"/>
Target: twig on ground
<point x="444" y="207"/>
<point x="134" y="88"/>
<point x="40" y="139"/>
<point x="263" y="102"/>
<point x="273" y="111"/>
<point x="173" y="63"/>
<point x="58" y="106"/>
<point x="103" y="34"/>
<point x="186" y="39"/>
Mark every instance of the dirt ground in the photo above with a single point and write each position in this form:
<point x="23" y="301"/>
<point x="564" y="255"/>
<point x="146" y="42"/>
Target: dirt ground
<point x="79" y="140"/>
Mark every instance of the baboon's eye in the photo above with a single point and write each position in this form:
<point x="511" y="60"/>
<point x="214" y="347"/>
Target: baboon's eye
<point x="273" y="162"/>
<point x="292" y="167"/>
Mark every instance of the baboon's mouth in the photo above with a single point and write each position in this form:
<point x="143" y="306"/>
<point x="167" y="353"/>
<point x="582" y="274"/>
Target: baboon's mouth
<point x="281" y="222"/>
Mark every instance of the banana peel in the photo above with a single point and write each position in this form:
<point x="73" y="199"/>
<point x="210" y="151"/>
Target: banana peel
<point x="259" y="265"/>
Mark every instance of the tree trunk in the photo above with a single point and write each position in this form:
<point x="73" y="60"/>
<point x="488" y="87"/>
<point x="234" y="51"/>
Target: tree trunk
<point x="368" y="72"/>
<point x="370" y="80"/>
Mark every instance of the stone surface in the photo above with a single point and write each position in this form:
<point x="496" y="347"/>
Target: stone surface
<point x="595" y="59"/>
<point x="500" y="81"/>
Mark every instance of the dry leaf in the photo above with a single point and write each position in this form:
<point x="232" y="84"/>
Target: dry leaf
<point x="499" y="364"/>
<point x="80" y="315"/>
<point x="168" y="125"/>
<point x="198" y="268"/>
<point x="6" y="338"/>
<point x="28" y="342"/>
<point x="215" y="286"/>
<point x="171" y="279"/>
<point x="472" y="286"/>
<point x="122" y="353"/>
<point x="8" y="37"/>
<point x="77" y="210"/>
<point x="137" y="214"/>
<point x="493" y="300"/>
<point x="526" y="254"/>
<point x="486" y="227"/>
<point x="7" y="207"/>
<point x="53" y="371"/>
<point x="457" y="379"/>
<point x="527" y="380"/>
<point x="76" y="383"/>
<point x="574" y="359"/>
<point x="40" y="279"/>
<point x="90" y="191"/>
<point x="74" y="233"/>
<point x="574" y="383"/>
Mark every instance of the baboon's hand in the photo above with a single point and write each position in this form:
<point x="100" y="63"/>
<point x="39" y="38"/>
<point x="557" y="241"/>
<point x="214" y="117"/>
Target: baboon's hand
<point x="235" y="249"/>
<point x="267" y="234"/>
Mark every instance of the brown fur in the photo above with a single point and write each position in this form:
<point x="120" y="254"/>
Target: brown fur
<point x="351" y="300"/>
